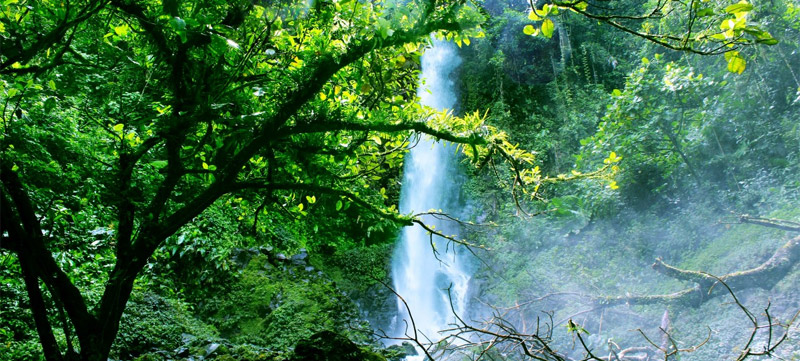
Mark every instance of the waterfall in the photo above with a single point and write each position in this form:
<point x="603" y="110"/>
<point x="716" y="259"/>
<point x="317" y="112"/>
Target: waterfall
<point x="429" y="183"/>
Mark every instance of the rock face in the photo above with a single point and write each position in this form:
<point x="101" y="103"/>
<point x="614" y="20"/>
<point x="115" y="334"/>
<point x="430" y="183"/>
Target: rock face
<point x="401" y="351"/>
<point x="300" y="259"/>
<point x="377" y="304"/>
<point x="331" y="346"/>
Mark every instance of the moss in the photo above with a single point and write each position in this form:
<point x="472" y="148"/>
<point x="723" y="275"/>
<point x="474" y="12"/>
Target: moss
<point x="331" y="346"/>
<point x="153" y="322"/>
<point x="276" y="307"/>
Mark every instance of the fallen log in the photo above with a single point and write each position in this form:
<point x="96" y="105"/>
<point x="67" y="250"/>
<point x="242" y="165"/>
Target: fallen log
<point x="765" y="276"/>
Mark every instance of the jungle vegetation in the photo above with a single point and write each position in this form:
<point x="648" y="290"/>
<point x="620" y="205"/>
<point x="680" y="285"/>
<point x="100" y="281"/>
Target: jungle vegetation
<point x="160" y="159"/>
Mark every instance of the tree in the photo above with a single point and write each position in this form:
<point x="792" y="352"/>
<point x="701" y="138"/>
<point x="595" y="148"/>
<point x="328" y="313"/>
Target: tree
<point x="130" y="118"/>
<point x="705" y="27"/>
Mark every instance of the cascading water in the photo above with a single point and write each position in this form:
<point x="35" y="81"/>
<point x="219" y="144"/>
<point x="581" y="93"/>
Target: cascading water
<point x="428" y="183"/>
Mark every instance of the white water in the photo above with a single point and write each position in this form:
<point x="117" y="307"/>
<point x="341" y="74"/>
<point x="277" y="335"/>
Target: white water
<point x="428" y="183"/>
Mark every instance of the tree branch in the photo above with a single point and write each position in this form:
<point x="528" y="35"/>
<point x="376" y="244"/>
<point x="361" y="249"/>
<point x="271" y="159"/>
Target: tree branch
<point x="51" y="38"/>
<point x="418" y="127"/>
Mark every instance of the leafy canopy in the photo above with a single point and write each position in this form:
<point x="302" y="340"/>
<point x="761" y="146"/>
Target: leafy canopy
<point x="123" y="121"/>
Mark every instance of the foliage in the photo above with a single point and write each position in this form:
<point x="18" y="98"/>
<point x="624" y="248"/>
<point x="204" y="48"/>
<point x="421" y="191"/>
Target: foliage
<point x="152" y="322"/>
<point x="275" y="306"/>
<point x="696" y="141"/>
<point x="330" y="346"/>
<point x="358" y="269"/>
<point x="150" y="141"/>
<point x="17" y="337"/>
<point x="125" y="120"/>
<point x="707" y="27"/>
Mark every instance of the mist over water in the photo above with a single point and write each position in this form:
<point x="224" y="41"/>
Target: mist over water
<point x="429" y="183"/>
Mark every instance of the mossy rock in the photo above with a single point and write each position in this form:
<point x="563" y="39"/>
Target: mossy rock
<point x="150" y="357"/>
<point x="331" y="346"/>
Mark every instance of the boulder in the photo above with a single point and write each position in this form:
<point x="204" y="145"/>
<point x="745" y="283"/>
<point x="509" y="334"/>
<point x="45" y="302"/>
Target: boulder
<point x="331" y="346"/>
<point x="401" y="351"/>
<point x="301" y="258"/>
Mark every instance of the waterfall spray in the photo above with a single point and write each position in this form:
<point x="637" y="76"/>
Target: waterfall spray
<point x="428" y="183"/>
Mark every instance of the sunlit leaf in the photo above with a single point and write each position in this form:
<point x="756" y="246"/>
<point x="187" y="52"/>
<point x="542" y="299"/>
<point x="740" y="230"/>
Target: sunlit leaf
<point x="547" y="28"/>
<point x="742" y="6"/>
<point x="529" y="30"/>
<point x="705" y="12"/>
<point x="121" y="30"/>
<point x="736" y="63"/>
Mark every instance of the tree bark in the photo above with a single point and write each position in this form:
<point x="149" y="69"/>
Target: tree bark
<point x="765" y="276"/>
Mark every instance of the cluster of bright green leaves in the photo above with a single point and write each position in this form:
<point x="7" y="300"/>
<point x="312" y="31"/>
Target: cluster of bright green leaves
<point x="173" y="93"/>
<point x="709" y="26"/>
<point x="733" y="30"/>
<point x="652" y="119"/>
<point x="521" y="164"/>
<point x="543" y="15"/>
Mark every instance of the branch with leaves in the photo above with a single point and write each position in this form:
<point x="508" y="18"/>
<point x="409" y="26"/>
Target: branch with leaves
<point x="699" y="27"/>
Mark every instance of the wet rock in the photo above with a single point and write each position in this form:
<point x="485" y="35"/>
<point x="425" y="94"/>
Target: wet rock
<point x="331" y="346"/>
<point x="241" y="257"/>
<point x="301" y="258"/>
<point x="401" y="351"/>
<point x="182" y="351"/>
<point x="211" y="348"/>
<point x="267" y="250"/>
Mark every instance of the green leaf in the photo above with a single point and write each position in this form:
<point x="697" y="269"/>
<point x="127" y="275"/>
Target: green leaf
<point x="121" y="30"/>
<point x="616" y="92"/>
<point x="705" y="12"/>
<point x="742" y="6"/>
<point x="736" y="63"/>
<point x="769" y="41"/>
<point x="158" y="164"/>
<point x="118" y="128"/>
<point x="529" y="30"/>
<point x="547" y="28"/>
<point x="49" y="104"/>
<point x="338" y="205"/>
<point x="762" y="36"/>
<point x="311" y="199"/>
<point x="383" y="28"/>
<point x="533" y="16"/>
<point x="176" y="23"/>
<point x="52" y="84"/>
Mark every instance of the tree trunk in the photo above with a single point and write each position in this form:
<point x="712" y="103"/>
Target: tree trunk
<point x="765" y="276"/>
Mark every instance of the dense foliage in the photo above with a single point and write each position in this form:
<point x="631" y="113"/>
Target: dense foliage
<point x="698" y="146"/>
<point x="159" y="159"/>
